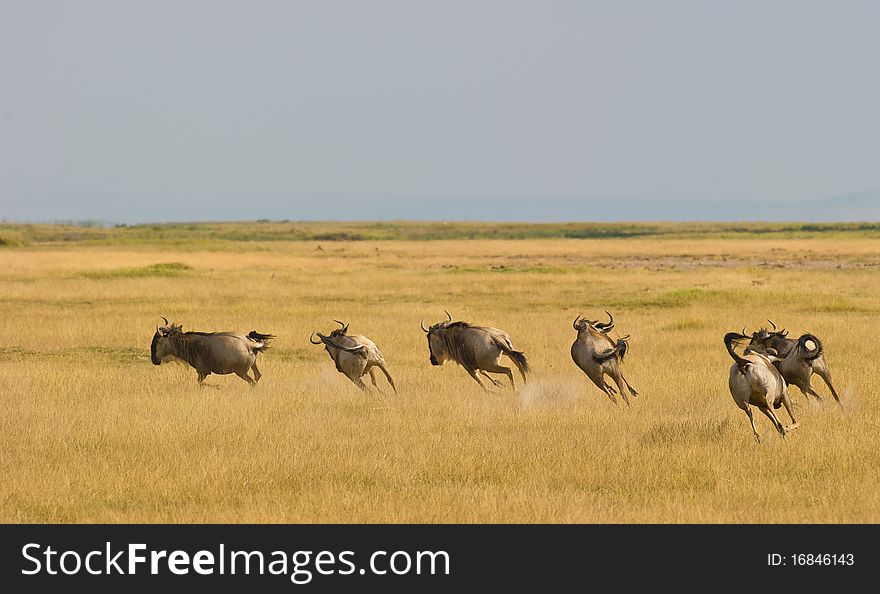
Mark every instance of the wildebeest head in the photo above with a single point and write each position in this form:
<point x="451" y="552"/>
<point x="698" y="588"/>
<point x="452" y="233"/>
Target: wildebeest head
<point x="331" y="344"/>
<point x="763" y="338"/>
<point x="437" y="347"/>
<point x="580" y="324"/>
<point x="341" y="330"/>
<point x="161" y="350"/>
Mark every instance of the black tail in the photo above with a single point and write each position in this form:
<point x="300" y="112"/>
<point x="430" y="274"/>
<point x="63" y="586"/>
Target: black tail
<point x="815" y="353"/>
<point x="519" y="360"/>
<point x="264" y="338"/>
<point x="518" y="357"/>
<point x="729" y="340"/>
<point x="619" y="350"/>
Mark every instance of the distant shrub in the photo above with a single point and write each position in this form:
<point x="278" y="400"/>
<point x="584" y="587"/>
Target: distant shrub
<point x="161" y="269"/>
<point x="339" y="236"/>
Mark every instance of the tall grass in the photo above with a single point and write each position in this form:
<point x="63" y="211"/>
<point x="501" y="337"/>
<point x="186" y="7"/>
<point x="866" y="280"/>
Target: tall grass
<point x="91" y="431"/>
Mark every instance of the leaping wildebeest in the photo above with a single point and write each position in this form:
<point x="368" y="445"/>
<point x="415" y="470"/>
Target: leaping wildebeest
<point x="755" y="381"/>
<point x="476" y="348"/>
<point x="210" y="352"/>
<point x="354" y="356"/>
<point x="598" y="355"/>
<point x="797" y="359"/>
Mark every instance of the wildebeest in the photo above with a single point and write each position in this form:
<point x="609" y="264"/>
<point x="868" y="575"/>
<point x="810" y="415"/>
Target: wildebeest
<point x="476" y="348"/>
<point x="797" y="360"/>
<point x="210" y="352"/>
<point x="598" y="355"/>
<point x="755" y="381"/>
<point x="354" y="356"/>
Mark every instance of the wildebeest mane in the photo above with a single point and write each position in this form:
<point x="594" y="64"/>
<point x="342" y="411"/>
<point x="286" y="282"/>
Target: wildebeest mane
<point x="153" y="357"/>
<point x="458" y="349"/>
<point x="189" y="347"/>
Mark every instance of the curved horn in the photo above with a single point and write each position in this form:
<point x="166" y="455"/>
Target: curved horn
<point x="164" y="318"/>
<point x="448" y="315"/>
<point x="772" y="324"/>
<point x="344" y="326"/>
<point x="312" y="341"/>
<point x="610" y="323"/>
<point x="329" y="341"/>
<point x="575" y="323"/>
<point x="744" y="332"/>
<point x="422" y="324"/>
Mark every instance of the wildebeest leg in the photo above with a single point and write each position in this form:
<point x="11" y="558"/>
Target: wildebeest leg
<point x="609" y="391"/>
<point x="809" y="391"/>
<point x="494" y="381"/>
<point x="632" y="390"/>
<point x="358" y="382"/>
<point x="599" y="380"/>
<point x="257" y="374"/>
<point x="243" y="375"/>
<point x="387" y="375"/>
<point x="202" y="377"/>
<point x="826" y="377"/>
<point x="772" y="416"/>
<point x="748" y="411"/>
<point x="496" y="368"/>
<point x="620" y="388"/>
<point x="372" y="373"/>
<point x="473" y="374"/>
<point x="786" y="401"/>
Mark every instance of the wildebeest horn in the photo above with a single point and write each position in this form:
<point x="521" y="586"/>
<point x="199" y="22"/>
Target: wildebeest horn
<point x="575" y="323"/>
<point x="606" y="328"/>
<point x="164" y="318"/>
<point x="744" y="332"/>
<point x="312" y="341"/>
<point x="772" y="324"/>
<point x="344" y="326"/>
<point x="448" y="315"/>
<point x="329" y="341"/>
<point x="422" y="324"/>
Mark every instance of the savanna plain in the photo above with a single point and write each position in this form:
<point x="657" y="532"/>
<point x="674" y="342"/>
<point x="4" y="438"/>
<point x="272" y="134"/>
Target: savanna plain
<point x="91" y="431"/>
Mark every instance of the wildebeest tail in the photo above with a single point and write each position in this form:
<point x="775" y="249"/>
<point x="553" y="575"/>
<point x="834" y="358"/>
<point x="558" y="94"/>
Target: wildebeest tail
<point x="261" y="338"/>
<point x="620" y="349"/>
<point x="730" y="339"/>
<point x="810" y="354"/>
<point x="518" y="357"/>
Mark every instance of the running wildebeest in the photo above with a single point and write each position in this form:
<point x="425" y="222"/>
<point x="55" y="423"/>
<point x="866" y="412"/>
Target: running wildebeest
<point x="798" y="359"/>
<point x="210" y="352"/>
<point x="354" y="356"/>
<point x="755" y="381"/>
<point x="598" y="355"/>
<point x="476" y="348"/>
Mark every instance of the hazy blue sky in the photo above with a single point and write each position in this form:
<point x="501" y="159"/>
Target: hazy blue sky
<point x="549" y="110"/>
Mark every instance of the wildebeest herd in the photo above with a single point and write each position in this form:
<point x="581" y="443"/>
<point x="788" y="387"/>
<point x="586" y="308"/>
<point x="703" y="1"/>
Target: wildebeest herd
<point x="759" y="377"/>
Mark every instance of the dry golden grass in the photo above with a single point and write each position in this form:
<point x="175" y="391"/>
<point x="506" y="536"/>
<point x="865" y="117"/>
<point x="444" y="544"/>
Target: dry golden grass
<point x="90" y="431"/>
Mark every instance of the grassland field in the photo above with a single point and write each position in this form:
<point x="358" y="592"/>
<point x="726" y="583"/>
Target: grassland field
<point x="91" y="431"/>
